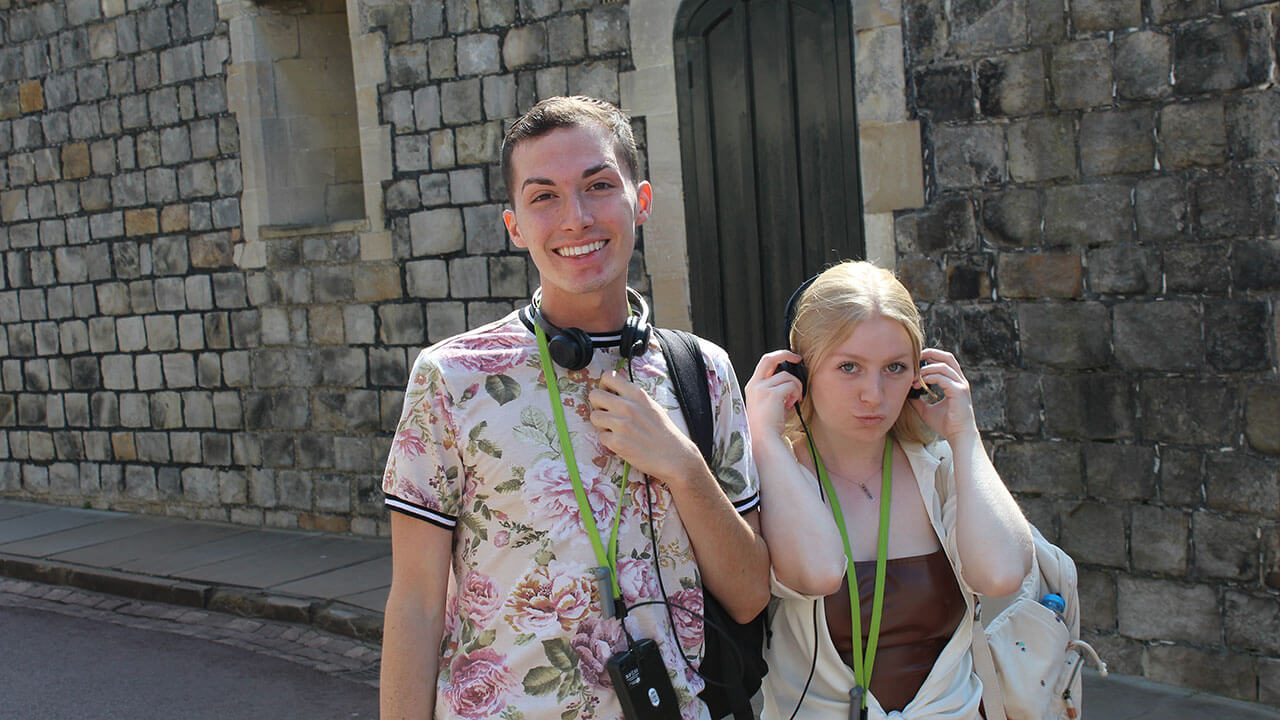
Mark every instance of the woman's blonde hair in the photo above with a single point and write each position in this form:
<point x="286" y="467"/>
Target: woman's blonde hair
<point x="839" y="298"/>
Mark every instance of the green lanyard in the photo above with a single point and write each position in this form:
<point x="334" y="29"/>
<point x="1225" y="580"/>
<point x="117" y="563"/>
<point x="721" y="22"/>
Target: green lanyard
<point x="607" y="560"/>
<point x="862" y="666"/>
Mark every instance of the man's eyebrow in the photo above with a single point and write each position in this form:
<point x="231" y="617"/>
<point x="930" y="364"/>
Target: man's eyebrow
<point x="600" y="167"/>
<point x="535" y="181"/>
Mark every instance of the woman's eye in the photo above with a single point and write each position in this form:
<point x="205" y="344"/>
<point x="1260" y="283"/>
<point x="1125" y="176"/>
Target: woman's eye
<point x="848" y="367"/>
<point x="896" y="368"/>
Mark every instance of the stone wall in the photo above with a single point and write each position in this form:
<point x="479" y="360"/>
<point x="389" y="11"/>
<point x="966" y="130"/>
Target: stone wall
<point x="119" y="182"/>
<point x="456" y="71"/>
<point x="1100" y="243"/>
<point x="147" y="361"/>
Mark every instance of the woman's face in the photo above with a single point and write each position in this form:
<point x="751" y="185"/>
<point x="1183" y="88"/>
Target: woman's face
<point x="859" y="389"/>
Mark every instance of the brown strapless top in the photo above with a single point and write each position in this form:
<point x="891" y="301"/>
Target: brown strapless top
<point x="923" y="606"/>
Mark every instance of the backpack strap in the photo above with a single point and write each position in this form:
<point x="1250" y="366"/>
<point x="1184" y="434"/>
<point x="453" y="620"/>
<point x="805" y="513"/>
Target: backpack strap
<point x="984" y="665"/>
<point x="689" y="377"/>
<point x="688" y="372"/>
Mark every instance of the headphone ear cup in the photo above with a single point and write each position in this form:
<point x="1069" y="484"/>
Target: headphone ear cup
<point x="571" y="348"/>
<point x="634" y="339"/>
<point x="800" y="372"/>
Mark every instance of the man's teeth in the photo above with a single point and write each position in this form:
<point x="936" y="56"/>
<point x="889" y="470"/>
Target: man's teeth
<point x="581" y="249"/>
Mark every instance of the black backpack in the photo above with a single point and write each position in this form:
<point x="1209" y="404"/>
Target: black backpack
<point x="726" y="692"/>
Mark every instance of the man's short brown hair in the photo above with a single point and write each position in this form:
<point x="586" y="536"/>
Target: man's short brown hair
<point x="576" y="111"/>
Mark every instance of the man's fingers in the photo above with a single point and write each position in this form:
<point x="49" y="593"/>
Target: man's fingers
<point x="616" y="383"/>
<point x="603" y="421"/>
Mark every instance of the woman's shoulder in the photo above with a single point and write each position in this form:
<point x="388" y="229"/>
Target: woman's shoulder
<point x="932" y="465"/>
<point x="935" y="452"/>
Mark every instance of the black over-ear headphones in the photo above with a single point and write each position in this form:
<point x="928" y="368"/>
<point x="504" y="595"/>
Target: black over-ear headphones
<point x="571" y="348"/>
<point x="798" y="369"/>
<point x="789" y="318"/>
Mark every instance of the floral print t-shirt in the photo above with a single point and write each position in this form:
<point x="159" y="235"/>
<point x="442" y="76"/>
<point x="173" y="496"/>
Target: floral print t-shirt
<point x="477" y="452"/>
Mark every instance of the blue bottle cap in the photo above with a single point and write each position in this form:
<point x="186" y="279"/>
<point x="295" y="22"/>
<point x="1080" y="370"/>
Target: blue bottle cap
<point x="1054" y="602"/>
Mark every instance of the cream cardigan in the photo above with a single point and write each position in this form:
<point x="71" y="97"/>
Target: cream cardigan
<point x="950" y="692"/>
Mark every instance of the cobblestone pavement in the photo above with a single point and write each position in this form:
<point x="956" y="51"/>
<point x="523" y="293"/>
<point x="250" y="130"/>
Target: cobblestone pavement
<point x="329" y="653"/>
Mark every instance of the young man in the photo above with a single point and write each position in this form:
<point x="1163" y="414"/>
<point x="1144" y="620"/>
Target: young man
<point x="483" y="485"/>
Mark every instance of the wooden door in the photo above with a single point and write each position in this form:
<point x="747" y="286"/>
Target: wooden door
<point x="769" y="150"/>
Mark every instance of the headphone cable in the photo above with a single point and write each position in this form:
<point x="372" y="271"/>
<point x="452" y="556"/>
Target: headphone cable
<point x="813" y="663"/>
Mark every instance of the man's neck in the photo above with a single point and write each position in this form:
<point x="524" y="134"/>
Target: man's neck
<point x="603" y="311"/>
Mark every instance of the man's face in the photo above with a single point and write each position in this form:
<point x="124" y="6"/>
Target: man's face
<point x="576" y="210"/>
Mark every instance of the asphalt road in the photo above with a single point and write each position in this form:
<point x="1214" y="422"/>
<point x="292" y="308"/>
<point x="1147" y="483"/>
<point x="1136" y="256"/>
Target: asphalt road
<point x="55" y="666"/>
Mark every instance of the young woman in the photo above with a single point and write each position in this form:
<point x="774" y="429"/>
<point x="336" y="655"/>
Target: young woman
<point x="910" y="502"/>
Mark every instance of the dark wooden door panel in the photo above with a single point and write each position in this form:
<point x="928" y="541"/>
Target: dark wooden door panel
<point x="768" y="141"/>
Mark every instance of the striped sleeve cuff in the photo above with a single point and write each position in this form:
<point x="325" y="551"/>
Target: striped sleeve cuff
<point x="422" y="512"/>
<point x="747" y="504"/>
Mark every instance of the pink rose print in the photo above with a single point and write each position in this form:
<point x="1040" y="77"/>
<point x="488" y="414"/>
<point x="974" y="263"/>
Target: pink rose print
<point x="489" y="354"/>
<point x="451" y="615"/>
<point x="549" y="493"/>
<point x="479" y="684"/>
<point x="636" y="580"/>
<point x="596" y="640"/>
<point x="688" y="627"/>
<point x="549" y="599"/>
<point x="501" y="538"/>
<point x="409" y="444"/>
<point x="479" y="598"/>
<point x="674" y="661"/>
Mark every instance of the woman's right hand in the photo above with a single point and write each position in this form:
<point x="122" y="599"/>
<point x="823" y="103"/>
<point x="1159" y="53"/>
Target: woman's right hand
<point x="771" y="395"/>
<point x="805" y="548"/>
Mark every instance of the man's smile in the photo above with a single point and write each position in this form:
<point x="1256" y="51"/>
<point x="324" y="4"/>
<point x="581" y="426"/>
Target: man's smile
<point x="579" y="250"/>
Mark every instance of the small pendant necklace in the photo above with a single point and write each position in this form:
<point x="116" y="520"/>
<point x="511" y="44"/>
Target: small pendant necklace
<point x="860" y="483"/>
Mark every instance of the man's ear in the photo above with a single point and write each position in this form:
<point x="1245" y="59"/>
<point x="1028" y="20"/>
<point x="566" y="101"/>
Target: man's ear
<point x="644" y="202"/>
<point x="513" y="229"/>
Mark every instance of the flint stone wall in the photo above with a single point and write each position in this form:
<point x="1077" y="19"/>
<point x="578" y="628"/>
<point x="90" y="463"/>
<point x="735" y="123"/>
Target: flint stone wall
<point x="141" y="366"/>
<point x="1101" y="244"/>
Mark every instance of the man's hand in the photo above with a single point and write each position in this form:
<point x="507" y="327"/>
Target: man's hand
<point x="639" y="431"/>
<point x="732" y="556"/>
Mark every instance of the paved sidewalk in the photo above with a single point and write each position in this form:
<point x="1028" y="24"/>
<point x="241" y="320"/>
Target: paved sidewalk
<point x="341" y="657"/>
<point x="337" y="583"/>
<point x="340" y="584"/>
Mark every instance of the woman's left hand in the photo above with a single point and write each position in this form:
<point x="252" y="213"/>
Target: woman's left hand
<point x="952" y="416"/>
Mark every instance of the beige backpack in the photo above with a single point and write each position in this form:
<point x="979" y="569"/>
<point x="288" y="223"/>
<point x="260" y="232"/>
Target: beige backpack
<point x="1028" y="656"/>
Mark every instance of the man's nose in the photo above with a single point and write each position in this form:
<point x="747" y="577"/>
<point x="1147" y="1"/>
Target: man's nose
<point x="577" y="212"/>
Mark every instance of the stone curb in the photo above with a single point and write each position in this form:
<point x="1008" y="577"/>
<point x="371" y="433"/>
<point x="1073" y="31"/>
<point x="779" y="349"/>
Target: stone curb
<point x="335" y="617"/>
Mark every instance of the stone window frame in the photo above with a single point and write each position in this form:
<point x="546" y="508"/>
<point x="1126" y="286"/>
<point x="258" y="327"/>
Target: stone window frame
<point x="892" y="164"/>
<point x="368" y="57"/>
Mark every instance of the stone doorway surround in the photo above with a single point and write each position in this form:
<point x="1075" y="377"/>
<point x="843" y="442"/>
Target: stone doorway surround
<point x="889" y="143"/>
<point x="249" y="86"/>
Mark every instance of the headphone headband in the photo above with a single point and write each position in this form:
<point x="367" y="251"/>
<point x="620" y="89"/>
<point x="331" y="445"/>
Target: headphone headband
<point x="790" y="316"/>
<point x="795" y="368"/>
